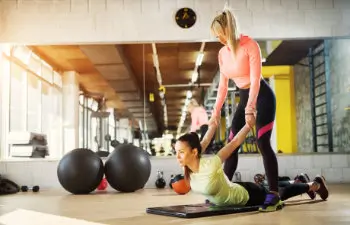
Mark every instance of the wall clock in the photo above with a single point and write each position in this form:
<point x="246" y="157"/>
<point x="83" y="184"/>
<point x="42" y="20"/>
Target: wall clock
<point x="185" y="18"/>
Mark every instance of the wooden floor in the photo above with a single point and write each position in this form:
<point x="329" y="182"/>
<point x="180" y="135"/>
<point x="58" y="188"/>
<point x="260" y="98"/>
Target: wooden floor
<point x="117" y="208"/>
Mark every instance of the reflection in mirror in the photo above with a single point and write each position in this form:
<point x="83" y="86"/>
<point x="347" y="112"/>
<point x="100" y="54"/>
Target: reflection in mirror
<point x="308" y="77"/>
<point x="156" y="92"/>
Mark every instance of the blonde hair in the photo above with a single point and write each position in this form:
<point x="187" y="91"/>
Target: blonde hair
<point x="225" y="23"/>
<point x="194" y="102"/>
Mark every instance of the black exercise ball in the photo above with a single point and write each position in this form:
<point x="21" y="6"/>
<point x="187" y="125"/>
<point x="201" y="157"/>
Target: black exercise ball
<point x="127" y="168"/>
<point x="80" y="171"/>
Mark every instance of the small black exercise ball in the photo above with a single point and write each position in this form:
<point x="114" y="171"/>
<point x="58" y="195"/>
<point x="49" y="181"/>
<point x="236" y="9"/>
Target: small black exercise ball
<point x="127" y="168"/>
<point x="80" y="171"/>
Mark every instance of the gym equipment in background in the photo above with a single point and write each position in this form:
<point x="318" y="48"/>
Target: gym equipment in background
<point x="114" y="143"/>
<point x="160" y="182"/>
<point x="28" y="144"/>
<point x="102" y="138"/>
<point x="199" y="210"/>
<point x="179" y="185"/>
<point x="216" y="146"/>
<point x="101" y="117"/>
<point x="237" y="177"/>
<point x="25" y="188"/>
<point x="80" y="171"/>
<point x="8" y="186"/>
<point x="259" y="178"/>
<point x="249" y="146"/>
<point x="127" y="168"/>
<point x="171" y="181"/>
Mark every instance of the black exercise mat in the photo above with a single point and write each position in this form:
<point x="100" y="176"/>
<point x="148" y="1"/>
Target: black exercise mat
<point x="199" y="210"/>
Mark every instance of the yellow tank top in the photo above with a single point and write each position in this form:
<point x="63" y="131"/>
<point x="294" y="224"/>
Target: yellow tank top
<point x="212" y="182"/>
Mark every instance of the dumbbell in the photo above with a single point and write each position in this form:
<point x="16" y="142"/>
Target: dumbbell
<point x="35" y="188"/>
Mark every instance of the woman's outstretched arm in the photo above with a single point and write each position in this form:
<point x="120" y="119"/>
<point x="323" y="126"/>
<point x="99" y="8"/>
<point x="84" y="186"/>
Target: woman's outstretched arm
<point x="207" y="137"/>
<point x="227" y="150"/>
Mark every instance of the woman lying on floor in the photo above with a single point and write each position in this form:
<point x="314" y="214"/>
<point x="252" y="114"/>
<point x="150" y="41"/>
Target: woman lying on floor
<point x="206" y="176"/>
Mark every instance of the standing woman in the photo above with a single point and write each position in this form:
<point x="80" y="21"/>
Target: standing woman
<point x="240" y="60"/>
<point x="199" y="118"/>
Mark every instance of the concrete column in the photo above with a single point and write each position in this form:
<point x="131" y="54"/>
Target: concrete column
<point x="285" y="125"/>
<point x="70" y="111"/>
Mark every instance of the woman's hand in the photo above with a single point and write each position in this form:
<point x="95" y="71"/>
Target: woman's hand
<point x="214" y="121"/>
<point x="250" y="117"/>
<point x="250" y="120"/>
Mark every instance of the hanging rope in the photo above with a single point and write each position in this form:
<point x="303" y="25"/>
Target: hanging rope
<point x="144" y="86"/>
<point x="227" y="4"/>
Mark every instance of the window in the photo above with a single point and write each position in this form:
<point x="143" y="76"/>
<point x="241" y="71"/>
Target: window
<point x="22" y="53"/>
<point x="82" y="141"/>
<point x="112" y="126"/>
<point x="57" y="79"/>
<point x="93" y="128"/>
<point x="47" y="108"/>
<point x="34" y="104"/>
<point x="90" y="129"/>
<point x="47" y="72"/>
<point x="56" y="146"/>
<point x="18" y="101"/>
<point x="35" y="98"/>
<point x="35" y="64"/>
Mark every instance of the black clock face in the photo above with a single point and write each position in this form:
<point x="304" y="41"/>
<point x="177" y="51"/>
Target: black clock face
<point x="185" y="17"/>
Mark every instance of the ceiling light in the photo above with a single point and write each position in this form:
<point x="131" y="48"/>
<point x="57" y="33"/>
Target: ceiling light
<point x="199" y="59"/>
<point x="187" y="101"/>
<point x="155" y="60"/>
<point x="189" y="94"/>
<point x="194" y="76"/>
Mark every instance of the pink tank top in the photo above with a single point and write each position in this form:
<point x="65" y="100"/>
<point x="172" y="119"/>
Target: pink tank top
<point x="199" y="117"/>
<point x="244" y="70"/>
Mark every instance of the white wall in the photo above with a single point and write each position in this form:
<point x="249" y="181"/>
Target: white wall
<point x="335" y="168"/>
<point x="103" y="21"/>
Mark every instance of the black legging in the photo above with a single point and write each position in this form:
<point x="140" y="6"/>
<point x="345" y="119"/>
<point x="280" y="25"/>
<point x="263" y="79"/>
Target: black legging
<point x="257" y="193"/>
<point x="266" y="111"/>
<point x="203" y="130"/>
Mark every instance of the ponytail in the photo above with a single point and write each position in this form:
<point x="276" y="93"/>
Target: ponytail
<point x="231" y="32"/>
<point x="187" y="172"/>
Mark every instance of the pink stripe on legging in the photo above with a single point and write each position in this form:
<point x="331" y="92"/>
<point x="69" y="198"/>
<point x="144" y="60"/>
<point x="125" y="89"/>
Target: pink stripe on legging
<point x="230" y="137"/>
<point x="265" y="129"/>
